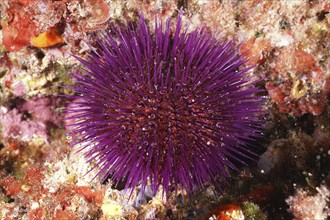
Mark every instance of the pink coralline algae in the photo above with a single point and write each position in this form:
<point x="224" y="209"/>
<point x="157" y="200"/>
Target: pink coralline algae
<point x="14" y="125"/>
<point x="43" y="109"/>
<point x="30" y="118"/>
<point x="19" y="88"/>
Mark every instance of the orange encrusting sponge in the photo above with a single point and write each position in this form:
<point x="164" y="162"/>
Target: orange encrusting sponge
<point x="47" y="39"/>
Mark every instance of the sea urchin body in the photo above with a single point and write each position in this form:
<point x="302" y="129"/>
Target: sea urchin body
<point x="165" y="108"/>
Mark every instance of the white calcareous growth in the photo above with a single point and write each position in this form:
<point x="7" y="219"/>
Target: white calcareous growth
<point x="305" y="206"/>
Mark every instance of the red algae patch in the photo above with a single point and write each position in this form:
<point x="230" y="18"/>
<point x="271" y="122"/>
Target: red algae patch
<point x="255" y="50"/>
<point x="18" y="29"/>
<point x="11" y="185"/>
<point x="90" y="194"/>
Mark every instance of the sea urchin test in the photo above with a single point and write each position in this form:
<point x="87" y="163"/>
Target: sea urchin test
<point x="164" y="108"/>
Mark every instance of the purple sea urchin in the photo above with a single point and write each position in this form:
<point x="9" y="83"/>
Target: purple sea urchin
<point x="168" y="108"/>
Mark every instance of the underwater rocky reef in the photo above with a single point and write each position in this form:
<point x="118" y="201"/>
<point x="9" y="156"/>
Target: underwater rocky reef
<point x="238" y="128"/>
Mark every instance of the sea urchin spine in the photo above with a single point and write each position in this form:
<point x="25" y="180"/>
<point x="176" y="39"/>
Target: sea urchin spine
<point x="169" y="108"/>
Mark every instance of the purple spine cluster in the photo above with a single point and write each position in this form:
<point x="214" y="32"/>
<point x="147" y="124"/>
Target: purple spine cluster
<point x="164" y="107"/>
